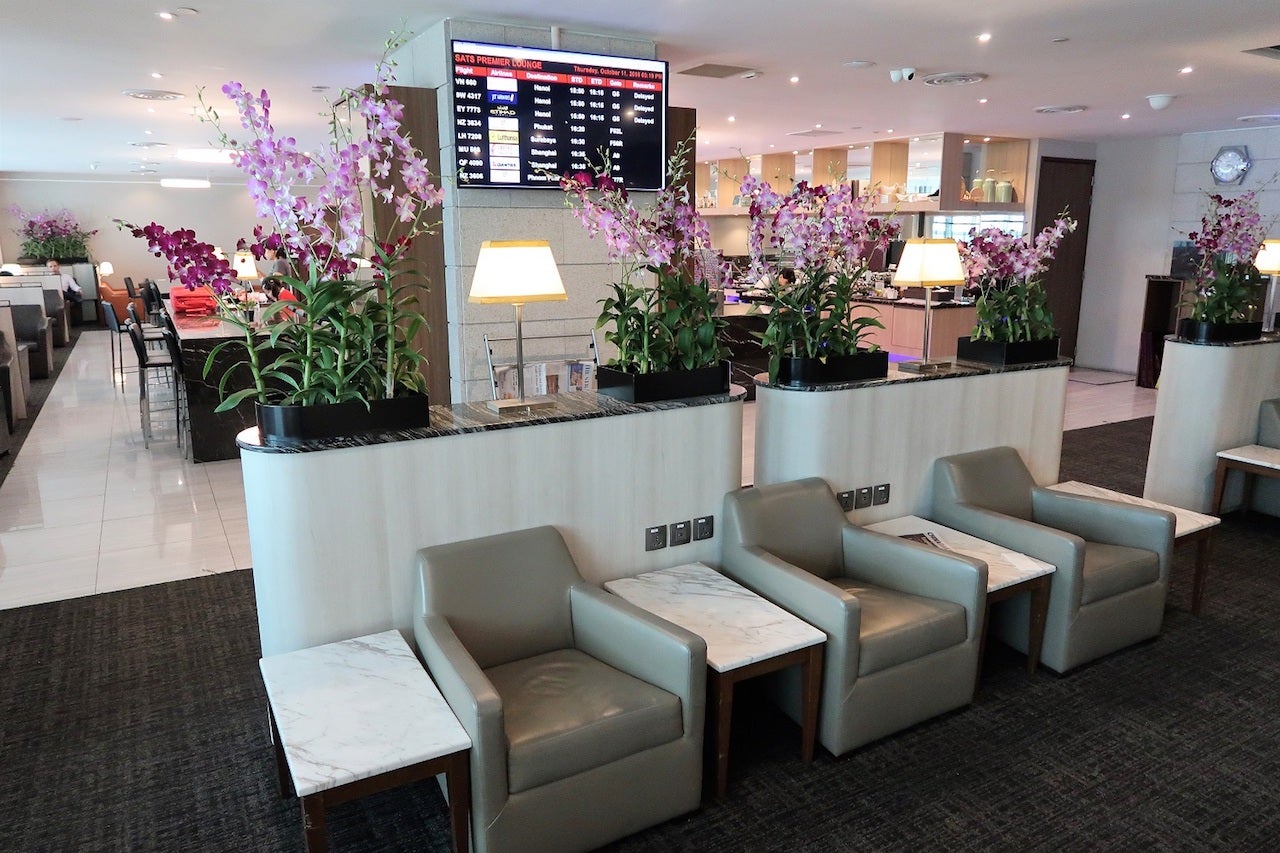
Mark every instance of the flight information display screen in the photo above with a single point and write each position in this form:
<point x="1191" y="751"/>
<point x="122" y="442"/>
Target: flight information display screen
<point x="525" y="116"/>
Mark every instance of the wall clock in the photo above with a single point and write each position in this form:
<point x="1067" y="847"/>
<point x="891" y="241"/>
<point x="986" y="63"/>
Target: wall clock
<point x="1230" y="164"/>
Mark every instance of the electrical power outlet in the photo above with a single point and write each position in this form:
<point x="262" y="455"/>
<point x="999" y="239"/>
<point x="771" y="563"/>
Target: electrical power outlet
<point x="655" y="537"/>
<point x="704" y="527"/>
<point x="881" y="494"/>
<point x="680" y="533"/>
<point x="846" y="500"/>
<point x="862" y="499"/>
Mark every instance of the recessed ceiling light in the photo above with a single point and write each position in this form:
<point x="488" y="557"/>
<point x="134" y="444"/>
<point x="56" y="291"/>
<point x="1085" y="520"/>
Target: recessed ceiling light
<point x="153" y="94"/>
<point x="859" y="63"/>
<point x="1186" y="69"/>
<point x="890" y="130"/>
<point x="984" y="37"/>
<point x="184" y="183"/>
<point x="147" y="132"/>
<point x="915" y="139"/>
<point x="156" y="75"/>
<point x="986" y="139"/>
<point x="165" y="16"/>
<point x="151" y="109"/>
<point x="966" y="142"/>
<point x="733" y="118"/>
<point x="982" y="100"/>
<point x="773" y="146"/>
<point x="795" y="79"/>
<point x="818" y="125"/>
<point x="204" y="155"/>
<point x="1125" y="116"/>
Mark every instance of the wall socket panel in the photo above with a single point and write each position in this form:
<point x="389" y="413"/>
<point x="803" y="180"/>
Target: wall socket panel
<point x="863" y="498"/>
<point x="704" y="527"/>
<point x="847" y="500"/>
<point x="880" y="495"/>
<point x="680" y="533"/>
<point x="655" y="537"/>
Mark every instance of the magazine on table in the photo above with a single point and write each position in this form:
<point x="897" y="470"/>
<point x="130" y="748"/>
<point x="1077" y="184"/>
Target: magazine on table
<point x="925" y="539"/>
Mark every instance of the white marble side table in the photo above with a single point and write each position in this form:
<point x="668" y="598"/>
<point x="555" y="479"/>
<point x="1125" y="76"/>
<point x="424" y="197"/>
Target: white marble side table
<point x="1009" y="573"/>
<point x="746" y="636"/>
<point x="1188" y="527"/>
<point x="360" y="716"/>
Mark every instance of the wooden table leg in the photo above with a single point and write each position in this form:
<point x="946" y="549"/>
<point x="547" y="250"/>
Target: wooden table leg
<point x="1035" y="631"/>
<point x="811" y="681"/>
<point x="722" y="716"/>
<point x="315" y="835"/>
<point x="282" y="763"/>
<point x="1204" y="548"/>
<point x="458" y="780"/>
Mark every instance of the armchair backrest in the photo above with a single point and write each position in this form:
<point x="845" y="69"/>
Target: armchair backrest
<point x="29" y="321"/>
<point x="506" y="596"/>
<point x="53" y="303"/>
<point x="995" y="479"/>
<point x="799" y="521"/>
<point x="1269" y="423"/>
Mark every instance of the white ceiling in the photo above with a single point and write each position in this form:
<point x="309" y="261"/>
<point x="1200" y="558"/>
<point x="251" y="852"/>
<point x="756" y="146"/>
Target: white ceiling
<point x="63" y="65"/>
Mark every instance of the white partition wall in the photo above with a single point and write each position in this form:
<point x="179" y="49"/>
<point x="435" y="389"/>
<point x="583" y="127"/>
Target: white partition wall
<point x="891" y="432"/>
<point x="1208" y="401"/>
<point x="334" y="533"/>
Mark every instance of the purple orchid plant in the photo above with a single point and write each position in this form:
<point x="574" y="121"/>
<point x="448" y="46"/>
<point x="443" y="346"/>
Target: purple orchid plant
<point x="351" y="339"/>
<point x="51" y="234"/>
<point x="1228" y="285"/>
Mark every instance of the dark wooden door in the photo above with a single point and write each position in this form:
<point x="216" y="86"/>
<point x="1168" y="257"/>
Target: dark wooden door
<point x="1065" y="185"/>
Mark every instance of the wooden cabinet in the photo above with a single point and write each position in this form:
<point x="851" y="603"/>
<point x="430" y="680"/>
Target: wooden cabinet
<point x="903" y="333"/>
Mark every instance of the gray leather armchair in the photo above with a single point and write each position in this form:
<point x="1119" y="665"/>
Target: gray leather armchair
<point x="1111" y="560"/>
<point x="585" y="712"/>
<point x="902" y="620"/>
<point x="55" y="308"/>
<point x="32" y="326"/>
<point x="1269" y="423"/>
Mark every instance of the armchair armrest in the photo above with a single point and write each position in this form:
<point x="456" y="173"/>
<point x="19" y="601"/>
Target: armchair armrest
<point x="1112" y="522"/>
<point x="821" y="604"/>
<point x="632" y="639"/>
<point x="476" y="704"/>
<point x="896" y="563"/>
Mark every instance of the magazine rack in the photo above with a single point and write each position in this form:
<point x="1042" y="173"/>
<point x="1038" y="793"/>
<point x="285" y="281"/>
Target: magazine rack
<point x="560" y="372"/>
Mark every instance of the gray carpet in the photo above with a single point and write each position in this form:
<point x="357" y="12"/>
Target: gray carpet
<point x="134" y="721"/>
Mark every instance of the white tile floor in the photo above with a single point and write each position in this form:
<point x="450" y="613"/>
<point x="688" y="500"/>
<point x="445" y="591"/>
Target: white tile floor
<point x="86" y="509"/>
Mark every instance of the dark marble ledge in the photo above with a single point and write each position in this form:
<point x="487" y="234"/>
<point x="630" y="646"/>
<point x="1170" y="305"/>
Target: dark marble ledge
<point x="464" y="418"/>
<point x="1267" y="338"/>
<point x="907" y="302"/>
<point x="900" y="377"/>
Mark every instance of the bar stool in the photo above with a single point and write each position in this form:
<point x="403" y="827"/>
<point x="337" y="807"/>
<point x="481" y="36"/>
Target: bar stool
<point x="155" y="364"/>
<point x="151" y="334"/>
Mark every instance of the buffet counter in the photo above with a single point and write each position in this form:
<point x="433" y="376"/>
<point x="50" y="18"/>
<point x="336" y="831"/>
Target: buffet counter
<point x="213" y="435"/>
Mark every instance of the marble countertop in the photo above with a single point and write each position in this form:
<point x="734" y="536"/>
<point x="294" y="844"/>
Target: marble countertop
<point x="208" y="327"/>
<point x="1267" y="338"/>
<point x="1185" y="521"/>
<point x="1004" y="567"/>
<point x="462" y="418"/>
<point x="1258" y="454"/>
<point x="739" y="626"/>
<point x="356" y="709"/>
<point x="896" y="376"/>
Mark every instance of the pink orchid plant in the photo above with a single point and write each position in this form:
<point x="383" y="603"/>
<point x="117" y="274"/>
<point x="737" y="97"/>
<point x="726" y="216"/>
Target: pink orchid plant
<point x="51" y="234"/>
<point x="1228" y="285"/>
<point x="1005" y="268"/>
<point x="351" y="340"/>
<point x="662" y="313"/>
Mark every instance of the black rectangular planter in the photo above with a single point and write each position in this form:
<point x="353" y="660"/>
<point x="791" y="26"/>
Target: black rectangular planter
<point x="666" y="385"/>
<point x="289" y="426"/>
<point x="804" y="370"/>
<point x="1218" y="333"/>
<point x="1006" y="352"/>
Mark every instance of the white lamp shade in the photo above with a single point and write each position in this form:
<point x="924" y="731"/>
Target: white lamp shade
<point x="105" y="268"/>
<point x="14" y="269"/>
<point x="933" y="262"/>
<point x="1268" y="259"/>
<point x="244" y="266"/>
<point x="515" y="272"/>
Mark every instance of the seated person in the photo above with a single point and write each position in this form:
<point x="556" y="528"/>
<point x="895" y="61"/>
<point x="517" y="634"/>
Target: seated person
<point x="71" y="291"/>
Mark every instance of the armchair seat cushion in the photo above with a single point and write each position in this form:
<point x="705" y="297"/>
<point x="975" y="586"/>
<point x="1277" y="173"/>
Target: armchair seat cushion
<point x="566" y="712"/>
<point x="1112" y="569"/>
<point x="898" y="627"/>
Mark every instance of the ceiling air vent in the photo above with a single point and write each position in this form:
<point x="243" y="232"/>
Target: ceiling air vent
<point x="1061" y="109"/>
<point x="1272" y="52"/>
<point x="953" y="78"/>
<point x="813" y="131"/>
<point x="720" y="72"/>
<point x="153" y="94"/>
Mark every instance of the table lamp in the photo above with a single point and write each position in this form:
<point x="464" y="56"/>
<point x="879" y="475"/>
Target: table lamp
<point x="929" y="263"/>
<point x="515" y="272"/>
<point x="105" y="269"/>
<point x="246" y="269"/>
<point x="1268" y="263"/>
